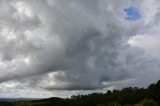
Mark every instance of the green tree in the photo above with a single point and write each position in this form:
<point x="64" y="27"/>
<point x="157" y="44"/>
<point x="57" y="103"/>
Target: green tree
<point x="127" y="105"/>
<point x="102" y="104"/>
<point x="114" y="104"/>
<point x="149" y="102"/>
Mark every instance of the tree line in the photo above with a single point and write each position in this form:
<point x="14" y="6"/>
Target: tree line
<point x="130" y="96"/>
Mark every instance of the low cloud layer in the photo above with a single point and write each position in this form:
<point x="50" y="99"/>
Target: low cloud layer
<point x="77" y="45"/>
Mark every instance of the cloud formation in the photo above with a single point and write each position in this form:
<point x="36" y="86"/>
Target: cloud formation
<point x="76" y="44"/>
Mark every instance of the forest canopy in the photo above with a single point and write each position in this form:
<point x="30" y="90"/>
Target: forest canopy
<point x="131" y="96"/>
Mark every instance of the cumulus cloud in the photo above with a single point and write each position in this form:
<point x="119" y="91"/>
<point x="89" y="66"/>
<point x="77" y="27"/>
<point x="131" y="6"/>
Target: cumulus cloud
<point x="76" y="45"/>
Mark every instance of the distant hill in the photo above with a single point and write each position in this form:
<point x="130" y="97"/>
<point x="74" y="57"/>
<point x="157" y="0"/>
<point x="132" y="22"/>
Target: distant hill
<point x="131" y="96"/>
<point x="17" y="99"/>
<point x="13" y="101"/>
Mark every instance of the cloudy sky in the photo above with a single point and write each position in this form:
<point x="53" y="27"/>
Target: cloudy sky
<point x="68" y="47"/>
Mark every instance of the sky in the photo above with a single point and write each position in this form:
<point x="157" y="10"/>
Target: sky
<point x="68" y="47"/>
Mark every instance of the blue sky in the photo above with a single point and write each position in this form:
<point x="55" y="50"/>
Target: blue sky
<point x="132" y="13"/>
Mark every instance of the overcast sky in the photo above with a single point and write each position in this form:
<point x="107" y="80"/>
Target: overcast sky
<point x="68" y="47"/>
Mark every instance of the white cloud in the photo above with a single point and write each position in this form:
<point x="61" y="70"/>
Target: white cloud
<point x="75" y="45"/>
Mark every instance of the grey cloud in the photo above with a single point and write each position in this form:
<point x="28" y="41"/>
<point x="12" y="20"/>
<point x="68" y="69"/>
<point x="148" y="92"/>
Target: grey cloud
<point x="69" y="44"/>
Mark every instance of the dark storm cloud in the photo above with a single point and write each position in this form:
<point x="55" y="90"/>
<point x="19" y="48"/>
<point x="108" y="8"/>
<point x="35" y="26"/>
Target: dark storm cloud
<point x="92" y="47"/>
<point x="69" y="44"/>
<point x="76" y="40"/>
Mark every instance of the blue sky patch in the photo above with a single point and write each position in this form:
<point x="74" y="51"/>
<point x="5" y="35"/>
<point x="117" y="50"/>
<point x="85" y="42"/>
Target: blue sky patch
<point x="132" y="14"/>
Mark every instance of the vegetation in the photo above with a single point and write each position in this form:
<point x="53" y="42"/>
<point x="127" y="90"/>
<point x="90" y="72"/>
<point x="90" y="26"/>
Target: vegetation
<point x="125" y="97"/>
